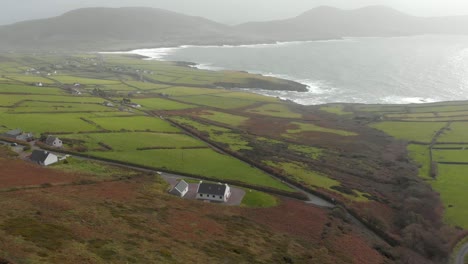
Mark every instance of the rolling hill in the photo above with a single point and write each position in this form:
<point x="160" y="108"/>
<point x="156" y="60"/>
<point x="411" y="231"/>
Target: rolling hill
<point x="92" y="29"/>
<point x="96" y="28"/>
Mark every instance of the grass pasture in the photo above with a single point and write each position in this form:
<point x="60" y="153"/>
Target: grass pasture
<point x="301" y="174"/>
<point x="29" y="89"/>
<point x="256" y="199"/>
<point x="452" y="184"/>
<point x="40" y="123"/>
<point x="57" y="107"/>
<point x="460" y="155"/>
<point x="232" y="140"/>
<point x="224" y="118"/>
<point x="305" y="127"/>
<point x="458" y="132"/>
<point x="161" y="104"/>
<point x="29" y="79"/>
<point x="187" y="91"/>
<point x="206" y="162"/>
<point x="68" y="79"/>
<point x="134" y="123"/>
<point x="451" y="181"/>
<point x="276" y="110"/>
<point x="420" y="155"/>
<point x="411" y="131"/>
<point x="335" y="109"/>
<point x="131" y="141"/>
<point x="216" y="101"/>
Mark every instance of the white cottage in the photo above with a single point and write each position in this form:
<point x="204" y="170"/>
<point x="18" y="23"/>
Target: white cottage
<point x="54" y="142"/>
<point x="43" y="157"/>
<point x="213" y="192"/>
<point x="180" y="189"/>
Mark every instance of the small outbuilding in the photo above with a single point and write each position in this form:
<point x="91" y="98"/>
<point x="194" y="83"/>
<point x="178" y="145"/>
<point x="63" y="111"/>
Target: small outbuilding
<point x="180" y="189"/>
<point x="54" y="142"/>
<point x="43" y="157"/>
<point x="213" y="192"/>
<point x="18" y="134"/>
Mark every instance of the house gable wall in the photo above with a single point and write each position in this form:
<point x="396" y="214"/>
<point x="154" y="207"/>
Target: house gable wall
<point x="51" y="159"/>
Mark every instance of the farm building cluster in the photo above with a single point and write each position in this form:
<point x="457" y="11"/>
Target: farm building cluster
<point x="41" y="157"/>
<point x="213" y="192"/>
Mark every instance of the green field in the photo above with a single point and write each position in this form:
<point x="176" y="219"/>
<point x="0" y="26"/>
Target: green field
<point x="161" y="104"/>
<point x="450" y="155"/>
<point x="457" y="133"/>
<point x="134" y="140"/>
<point x="232" y="140"/>
<point x="311" y="152"/>
<point x="258" y="199"/>
<point x="57" y="107"/>
<point x="276" y="110"/>
<point x="204" y="162"/>
<point x="305" y="127"/>
<point x="411" y="131"/>
<point x="39" y="123"/>
<point x="216" y="101"/>
<point x="420" y="155"/>
<point x="83" y="81"/>
<point x="224" y="118"/>
<point x="299" y="173"/>
<point x="452" y="184"/>
<point x="335" y="109"/>
<point x="187" y="91"/>
<point x="133" y="123"/>
<point x="24" y="89"/>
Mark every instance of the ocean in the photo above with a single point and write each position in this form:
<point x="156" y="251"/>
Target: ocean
<point x="397" y="70"/>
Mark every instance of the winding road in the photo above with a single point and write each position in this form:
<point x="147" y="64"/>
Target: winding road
<point x="461" y="254"/>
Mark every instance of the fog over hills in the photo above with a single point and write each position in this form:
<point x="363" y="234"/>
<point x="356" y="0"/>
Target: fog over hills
<point x="135" y="27"/>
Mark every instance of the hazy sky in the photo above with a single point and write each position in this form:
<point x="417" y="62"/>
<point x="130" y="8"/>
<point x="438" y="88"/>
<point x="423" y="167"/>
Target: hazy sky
<point x="226" y="11"/>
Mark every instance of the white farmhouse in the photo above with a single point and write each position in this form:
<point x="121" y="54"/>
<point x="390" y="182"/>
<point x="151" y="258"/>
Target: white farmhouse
<point x="213" y="192"/>
<point x="43" y="157"/>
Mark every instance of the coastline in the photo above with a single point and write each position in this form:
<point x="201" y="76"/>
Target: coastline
<point x="317" y="91"/>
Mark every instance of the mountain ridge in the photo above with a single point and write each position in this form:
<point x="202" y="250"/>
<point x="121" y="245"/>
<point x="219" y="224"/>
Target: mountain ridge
<point x="126" y="28"/>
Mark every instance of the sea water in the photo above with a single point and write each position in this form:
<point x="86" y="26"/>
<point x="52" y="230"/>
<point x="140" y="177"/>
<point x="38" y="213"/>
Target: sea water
<point x="353" y="70"/>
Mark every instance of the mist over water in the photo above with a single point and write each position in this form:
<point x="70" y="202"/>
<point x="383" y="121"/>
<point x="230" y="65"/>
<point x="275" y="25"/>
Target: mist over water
<point x="354" y="70"/>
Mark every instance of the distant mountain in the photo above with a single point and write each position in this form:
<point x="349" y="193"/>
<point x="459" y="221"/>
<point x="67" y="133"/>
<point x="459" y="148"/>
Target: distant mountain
<point x="136" y="27"/>
<point x="113" y="28"/>
<point x="374" y="21"/>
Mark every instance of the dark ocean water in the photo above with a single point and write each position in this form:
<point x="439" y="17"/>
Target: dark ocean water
<point x="354" y="70"/>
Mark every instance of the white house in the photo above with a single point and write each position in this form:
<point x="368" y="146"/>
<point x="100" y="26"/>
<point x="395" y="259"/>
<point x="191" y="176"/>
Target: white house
<point x="180" y="189"/>
<point x="135" y="105"/>
<point x="213" y="192"/>
<point x="54" y="142"/>
<point x="43" y="158"/>
<point x="108" y="104"/>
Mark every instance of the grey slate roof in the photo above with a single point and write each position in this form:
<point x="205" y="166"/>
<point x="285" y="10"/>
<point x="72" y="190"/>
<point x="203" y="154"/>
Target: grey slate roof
<point x="181" y="186"/>
<point x="50" y="140"/>
<point x="211" y="188"/>
<point x="39" y="156"/>
<point x="14" y="133"/>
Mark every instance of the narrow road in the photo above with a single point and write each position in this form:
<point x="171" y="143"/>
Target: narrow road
<point x="461" y="254"/>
